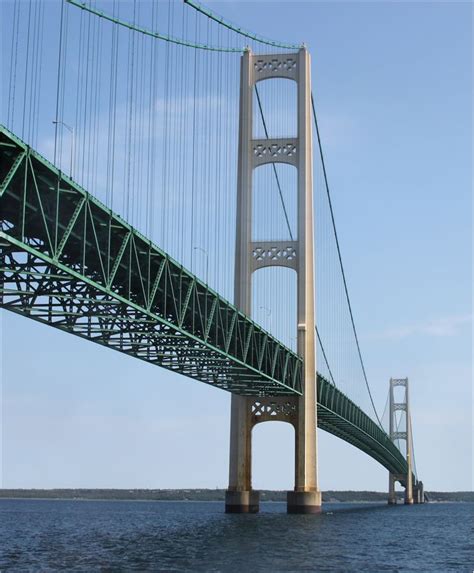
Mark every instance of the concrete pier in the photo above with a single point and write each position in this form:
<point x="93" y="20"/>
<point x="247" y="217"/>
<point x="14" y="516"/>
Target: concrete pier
<point x="303" y="502"/>
<point x="242" y="501"/>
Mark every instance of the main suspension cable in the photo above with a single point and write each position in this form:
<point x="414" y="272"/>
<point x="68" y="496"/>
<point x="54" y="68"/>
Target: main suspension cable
<point x="220" y="20"/>
<point x="340" y="257"/>
<point x="136" y="28"/>
<point x="324" y="355"/>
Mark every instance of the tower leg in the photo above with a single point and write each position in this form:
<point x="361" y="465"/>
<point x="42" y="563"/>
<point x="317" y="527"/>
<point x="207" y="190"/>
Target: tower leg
<point x="306" y="497"/>
<point x="409" y="486"/>
<point x="303" y="502"/>
<point x="416" y="494"/>
<point x="421" y="492"/>
<point x="240" y="498"/>
<point x="392" y="498"/>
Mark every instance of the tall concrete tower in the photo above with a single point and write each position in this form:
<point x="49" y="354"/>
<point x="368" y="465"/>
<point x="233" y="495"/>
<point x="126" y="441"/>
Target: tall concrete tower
<point x="296" y="254"/>
<point x="404" y="434"/>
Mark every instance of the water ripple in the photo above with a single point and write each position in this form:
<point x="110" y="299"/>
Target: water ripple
<point x="87" y="536"/>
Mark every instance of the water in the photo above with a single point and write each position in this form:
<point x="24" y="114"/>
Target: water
<point x="37" y="535"/>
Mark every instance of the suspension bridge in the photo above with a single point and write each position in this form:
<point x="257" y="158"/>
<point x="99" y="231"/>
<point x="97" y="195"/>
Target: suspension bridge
<point x="178" y="173"/>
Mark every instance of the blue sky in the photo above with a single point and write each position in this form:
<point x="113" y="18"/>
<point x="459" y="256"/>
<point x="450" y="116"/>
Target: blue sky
<point x="393" y="85"/>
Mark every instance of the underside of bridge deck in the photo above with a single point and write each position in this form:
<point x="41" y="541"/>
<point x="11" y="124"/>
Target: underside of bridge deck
<point x="68" y="261"/>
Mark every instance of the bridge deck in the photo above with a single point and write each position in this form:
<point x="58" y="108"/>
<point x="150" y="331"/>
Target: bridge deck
<point x="68" y="261"/>
<point x="338" y="415"/>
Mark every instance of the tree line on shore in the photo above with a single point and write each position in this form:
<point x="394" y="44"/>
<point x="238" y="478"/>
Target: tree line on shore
<point x="213" y="495"/>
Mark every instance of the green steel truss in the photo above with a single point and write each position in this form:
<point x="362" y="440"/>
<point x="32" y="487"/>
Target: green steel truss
<point x="338" y="415"/>
<point x="68" y="261"/>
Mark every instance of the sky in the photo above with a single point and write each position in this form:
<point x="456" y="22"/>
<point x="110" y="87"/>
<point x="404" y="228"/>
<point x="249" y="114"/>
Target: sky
<point x="393" y="86"/>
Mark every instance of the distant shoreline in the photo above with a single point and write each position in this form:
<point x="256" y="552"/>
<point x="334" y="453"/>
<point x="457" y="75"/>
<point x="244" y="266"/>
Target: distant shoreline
<point x="362" y="502"/>
<point x="206" y="495"/>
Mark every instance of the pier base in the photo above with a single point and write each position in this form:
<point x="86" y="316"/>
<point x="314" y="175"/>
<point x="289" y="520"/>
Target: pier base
<point x="242" y="501"/>
<point x="418" y="493"/>
<point x="303" y="502"/>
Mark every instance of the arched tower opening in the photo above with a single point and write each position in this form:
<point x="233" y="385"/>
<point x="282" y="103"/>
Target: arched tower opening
<point x="274" y="447"/>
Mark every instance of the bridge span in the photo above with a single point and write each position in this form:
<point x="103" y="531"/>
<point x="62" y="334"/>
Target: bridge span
<point x="73" y="262"/>
<point x="69" y="262"/>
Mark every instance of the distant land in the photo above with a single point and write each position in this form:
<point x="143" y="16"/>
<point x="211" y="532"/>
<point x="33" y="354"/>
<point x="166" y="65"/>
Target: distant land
<point x="215" y="495"/>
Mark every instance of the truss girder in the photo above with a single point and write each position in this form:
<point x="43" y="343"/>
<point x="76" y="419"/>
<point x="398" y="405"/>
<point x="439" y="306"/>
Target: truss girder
<point x="338" y="415"/>
<point x="70" y="262"/>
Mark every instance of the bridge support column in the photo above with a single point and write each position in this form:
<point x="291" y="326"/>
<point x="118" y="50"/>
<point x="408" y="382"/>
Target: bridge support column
<point x="409" y="480"/>
<point x="418" y="493"/>
<point x="306" y="497"/>
<point x="396" y="434"/>
<point x="297" y="254"/>
<point x="240" y="498"/>
<point x="392" y="498"/>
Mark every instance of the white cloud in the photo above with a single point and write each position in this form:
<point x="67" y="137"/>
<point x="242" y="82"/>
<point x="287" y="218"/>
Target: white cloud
<point x="445" y="326"/>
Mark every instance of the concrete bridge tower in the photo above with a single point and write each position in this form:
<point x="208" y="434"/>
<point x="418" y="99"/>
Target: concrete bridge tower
<point x="296" y="254"/>
<point x="405" y="434"/>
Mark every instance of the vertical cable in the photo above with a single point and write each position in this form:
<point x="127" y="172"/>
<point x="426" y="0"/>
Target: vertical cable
<point x="58" y="78"/>
<point x="13" y="65"/>
<point x="26" y="70"/>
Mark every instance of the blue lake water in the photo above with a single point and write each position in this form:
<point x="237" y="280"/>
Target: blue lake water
<point x="40" y="535"/>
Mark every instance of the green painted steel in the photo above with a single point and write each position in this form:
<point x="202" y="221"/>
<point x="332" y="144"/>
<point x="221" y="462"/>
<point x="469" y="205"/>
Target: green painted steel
<point x="220" y="20"/>
<point x="68" y="261"/>
<point x="151" y="33"/>
<point x="338" y="415"/>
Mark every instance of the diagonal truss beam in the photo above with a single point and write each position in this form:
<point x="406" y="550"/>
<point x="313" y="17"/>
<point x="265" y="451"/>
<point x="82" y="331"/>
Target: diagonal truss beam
<point x="70" y="262"/>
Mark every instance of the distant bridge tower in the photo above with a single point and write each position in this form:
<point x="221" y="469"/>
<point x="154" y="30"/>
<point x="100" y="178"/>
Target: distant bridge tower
<point x="401" y="434"/>
<point x="299" y="411"/>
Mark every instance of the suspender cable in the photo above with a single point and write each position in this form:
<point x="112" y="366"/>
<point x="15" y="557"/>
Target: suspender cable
<point x="13" y="67"/>
<point x="273" y="165"/>
<point x="287" y="220"/>
<point x="340" y="258"/>
<point x="27" y="73"/>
